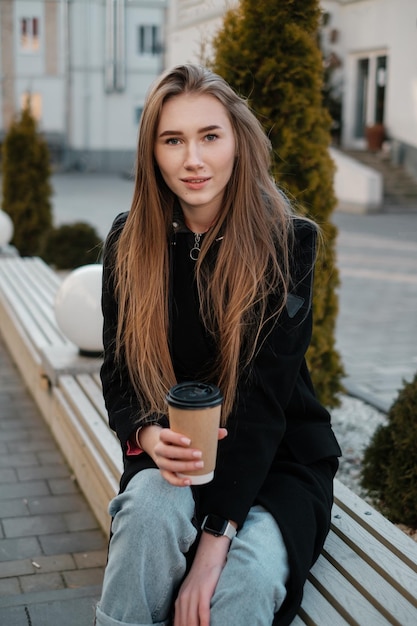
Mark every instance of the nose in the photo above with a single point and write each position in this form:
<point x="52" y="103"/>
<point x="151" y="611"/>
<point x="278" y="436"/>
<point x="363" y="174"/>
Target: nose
<point x="193" y="159"/>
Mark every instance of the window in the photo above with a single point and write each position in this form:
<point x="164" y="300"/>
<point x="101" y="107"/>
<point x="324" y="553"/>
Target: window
<point x="35" y="102"/>
<point x="361" y="96"/>
<point x="148" y="40"/>
<point x="380" y="80"/>
<point x="29" y="34"/>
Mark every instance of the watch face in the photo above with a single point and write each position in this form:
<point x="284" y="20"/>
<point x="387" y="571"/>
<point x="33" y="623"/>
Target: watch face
<point x="215" y="525"/>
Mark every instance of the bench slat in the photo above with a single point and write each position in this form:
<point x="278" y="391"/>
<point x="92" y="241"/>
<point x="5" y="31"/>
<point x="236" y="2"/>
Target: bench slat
<point x="27" y="303"/>
<point x="91" y="385"/>
<point x="39" y="297"/>
<point x="372" y="551"/>
<point x="92" y="473"/>
<point x="27" y="272"/>
<point x="39" y="276"/>
<point x="389" y="535"/>
<point x="316" y="610"/>
<point x="50" y="280"/>
<point x="344" y="596"/>
<point x="369" y="582"/>
<point x="19" y="310"/>
<point x="103" y="438"/>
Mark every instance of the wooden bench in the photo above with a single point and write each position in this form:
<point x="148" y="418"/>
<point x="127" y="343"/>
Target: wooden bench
<point x="27" y="291"/>
<point x="367" y="572"/>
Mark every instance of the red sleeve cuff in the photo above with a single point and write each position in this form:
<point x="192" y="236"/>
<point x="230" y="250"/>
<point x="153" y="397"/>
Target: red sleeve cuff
<point x="133" y="448"/>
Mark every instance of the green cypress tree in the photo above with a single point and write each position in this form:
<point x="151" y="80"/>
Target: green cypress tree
<point x="26" y="186"/>
<point x="389" y="471"/>
<point x="268" y="51"/>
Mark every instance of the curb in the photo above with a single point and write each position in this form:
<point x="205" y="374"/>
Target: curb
<point x="367" y="397"/>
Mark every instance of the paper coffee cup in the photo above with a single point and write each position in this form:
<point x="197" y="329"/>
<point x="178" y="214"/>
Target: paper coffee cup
<point x="194" y="411"/>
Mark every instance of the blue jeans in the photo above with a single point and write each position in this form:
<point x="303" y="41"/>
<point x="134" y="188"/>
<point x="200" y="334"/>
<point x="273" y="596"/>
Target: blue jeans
<point x="152" y="532"/>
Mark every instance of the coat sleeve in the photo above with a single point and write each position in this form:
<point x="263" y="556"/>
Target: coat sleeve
<point x="258" y="423"/>
<point x="122" y="403"/>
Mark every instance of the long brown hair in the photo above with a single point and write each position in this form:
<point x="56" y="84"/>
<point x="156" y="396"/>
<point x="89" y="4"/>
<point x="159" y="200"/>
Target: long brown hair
<point x="252" y="261"/>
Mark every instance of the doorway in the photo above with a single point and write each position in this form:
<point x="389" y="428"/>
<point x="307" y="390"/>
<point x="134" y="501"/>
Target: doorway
<point x="371" y="80"/>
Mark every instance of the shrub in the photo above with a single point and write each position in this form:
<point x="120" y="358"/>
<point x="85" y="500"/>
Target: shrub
<point x="268" y="52"/>
<point x="72" y="245"/>
<point x="389" y="472"/>
<point x="26" y="187"/>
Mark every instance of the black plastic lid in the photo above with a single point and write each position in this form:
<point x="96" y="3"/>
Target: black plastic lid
<point x="194" y="395"/>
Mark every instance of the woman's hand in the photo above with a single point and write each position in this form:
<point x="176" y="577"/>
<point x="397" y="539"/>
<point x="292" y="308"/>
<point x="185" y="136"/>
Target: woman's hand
<point x="192" y="606"/>
<point x="172" y="453"/>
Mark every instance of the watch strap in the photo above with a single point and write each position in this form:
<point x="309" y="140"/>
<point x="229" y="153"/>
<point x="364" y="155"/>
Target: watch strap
<point x="218" y="526"/>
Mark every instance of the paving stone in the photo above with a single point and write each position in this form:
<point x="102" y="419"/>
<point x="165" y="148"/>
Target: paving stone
<point x="41" y="445"/>
<point x="20" y="548"/>
<point x="41" y="582"/>
<point x="8" y="476"/>
<point x="93" y="558"/>
<point x="83" y="520"/>
<point x="43" y="471"/>
<point x="8" y="587"/>
<point x="21" y="490"/>
<point x="73" y="542"/>
<point x="62" y="486"/>
<point x="50" y="458"/>
<point x="16" y="568"/>
<point x="54" y="563"/>
<point x="18" y="460"/>
<point x="34" y="525"/>
<point x="57" y="504"/>
<point x="60" y="607"/>
<point x="22" y="422"/>
<point x="13" y="508"/>
<point x="83" y="577"/>
<point x="24" y="435"/>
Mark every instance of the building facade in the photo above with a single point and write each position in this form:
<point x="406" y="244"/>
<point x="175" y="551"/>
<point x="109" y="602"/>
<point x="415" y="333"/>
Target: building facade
<point x="376" y="41"/>
<point x="372" y="46"/>
<point x="86" y="66"/>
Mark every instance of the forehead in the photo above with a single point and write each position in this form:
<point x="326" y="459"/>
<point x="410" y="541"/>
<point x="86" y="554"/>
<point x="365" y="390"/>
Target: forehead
<point x="193" y="108"/>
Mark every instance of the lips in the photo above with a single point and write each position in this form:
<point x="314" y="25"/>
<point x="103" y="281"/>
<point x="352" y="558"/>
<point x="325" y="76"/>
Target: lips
<point x="195" y="183"/>
<point x="194" y="180"/>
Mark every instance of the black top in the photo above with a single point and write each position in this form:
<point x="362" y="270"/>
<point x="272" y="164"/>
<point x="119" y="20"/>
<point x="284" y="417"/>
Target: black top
<point x="278" y="432"/>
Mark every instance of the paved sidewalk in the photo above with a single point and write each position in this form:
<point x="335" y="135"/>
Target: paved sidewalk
<point x="377" y="323"/>
<point x="52" y="551"/>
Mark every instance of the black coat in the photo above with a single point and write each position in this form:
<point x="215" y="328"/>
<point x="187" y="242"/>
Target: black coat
<point x="280" y="450"/>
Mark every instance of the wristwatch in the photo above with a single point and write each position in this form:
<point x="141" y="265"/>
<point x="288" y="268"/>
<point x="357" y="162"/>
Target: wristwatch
<point x="218" y="526"/>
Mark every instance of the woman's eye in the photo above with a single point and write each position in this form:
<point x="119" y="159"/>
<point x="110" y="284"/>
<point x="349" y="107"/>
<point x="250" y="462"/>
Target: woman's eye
<point x="173" y="141"/>
<point x="211" y="137"/>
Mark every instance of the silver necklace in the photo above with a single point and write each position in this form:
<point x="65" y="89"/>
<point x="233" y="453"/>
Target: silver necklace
<point x="195" y="250"/>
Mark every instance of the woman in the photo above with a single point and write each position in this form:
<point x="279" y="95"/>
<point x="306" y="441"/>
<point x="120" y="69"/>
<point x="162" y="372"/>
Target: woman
<point x="209" y="277"/>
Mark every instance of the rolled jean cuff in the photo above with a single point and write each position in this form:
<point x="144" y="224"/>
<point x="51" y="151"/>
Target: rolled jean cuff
<point x="104" y="620"/>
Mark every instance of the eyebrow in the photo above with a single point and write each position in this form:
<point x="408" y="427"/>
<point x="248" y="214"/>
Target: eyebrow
<point x="205" y="129"/>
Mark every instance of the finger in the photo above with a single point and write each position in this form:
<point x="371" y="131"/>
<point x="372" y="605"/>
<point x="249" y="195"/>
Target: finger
<point x="173" y="438"/>
<point x="186" y="611"/>
<point x="204" y="615"/>
<point x="177" y="453"/>
<point x="179" y="465"/>
<point x="222" y="433"/>
<point x="173" y="479"/>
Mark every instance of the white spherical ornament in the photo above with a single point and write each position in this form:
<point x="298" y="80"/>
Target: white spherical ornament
<point x="6" y="229"/>
<point x="78" y="308"/>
